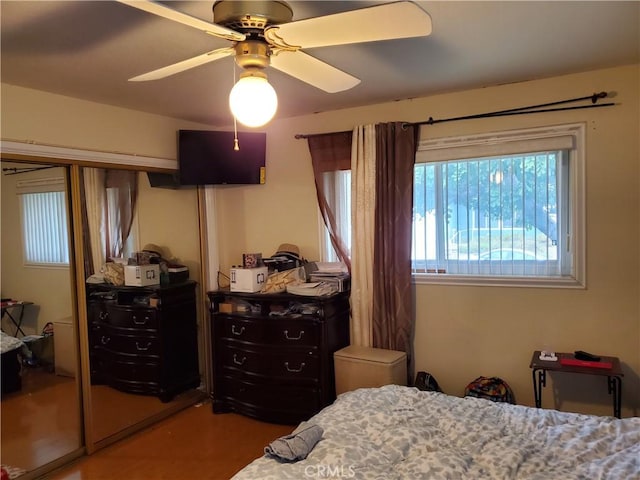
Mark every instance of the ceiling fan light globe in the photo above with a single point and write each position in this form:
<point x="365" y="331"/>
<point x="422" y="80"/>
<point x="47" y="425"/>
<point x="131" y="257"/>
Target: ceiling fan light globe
<point x="253" y="101"/>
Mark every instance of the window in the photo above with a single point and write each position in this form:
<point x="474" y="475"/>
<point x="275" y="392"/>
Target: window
<point x="490" y="216"/>
<point x="44" y="222"/>
<point x="501" y="208"/>
<point x="115" y="224"/>
<point x="338" y="193"/>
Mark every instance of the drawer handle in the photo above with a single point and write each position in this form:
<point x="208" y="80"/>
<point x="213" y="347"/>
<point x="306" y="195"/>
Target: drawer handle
<point x="294" y="370"/>
<point x="103" y="315"/>
<point x="286" y="335"/>
<point x="104" y="340"/>
<point x="142" y="349"/>
<point x="238" y="362"/>
<point x="140" y="322"/>
<point x="238" y="332"/>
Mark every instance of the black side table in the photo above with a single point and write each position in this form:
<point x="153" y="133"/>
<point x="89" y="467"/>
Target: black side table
<point x="614" y="376"/>
<point x="16" y="319"/>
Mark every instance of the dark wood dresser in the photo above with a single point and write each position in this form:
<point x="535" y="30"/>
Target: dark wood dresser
<point x="273" y="353"/>
<point x="140" y="348"/>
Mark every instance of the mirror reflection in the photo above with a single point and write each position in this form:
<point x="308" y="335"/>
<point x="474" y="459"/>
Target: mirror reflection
<point x="141" y="306"/>
<point x="40" y="406"/>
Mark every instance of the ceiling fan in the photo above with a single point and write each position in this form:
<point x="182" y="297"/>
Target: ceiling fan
<point x="264" y="34"/>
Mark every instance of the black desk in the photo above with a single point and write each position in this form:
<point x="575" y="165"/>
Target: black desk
<point x="614" y="376"/>
<point x="8" y="307"/>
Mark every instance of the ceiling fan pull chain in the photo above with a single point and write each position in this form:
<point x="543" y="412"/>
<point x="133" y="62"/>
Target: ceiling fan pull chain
<point x="236" y="147"/>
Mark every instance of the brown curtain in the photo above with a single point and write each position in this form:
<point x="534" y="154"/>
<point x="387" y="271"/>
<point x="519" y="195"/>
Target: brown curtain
<point x="393" y="316"/>
<point x="89" y="268"/>
<point x="125" y="183"/>
<point x="330" y="152"/>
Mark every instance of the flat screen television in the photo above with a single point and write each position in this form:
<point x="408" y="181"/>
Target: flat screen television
<point x="164" y="180"/>
<point x="208" y="158"/>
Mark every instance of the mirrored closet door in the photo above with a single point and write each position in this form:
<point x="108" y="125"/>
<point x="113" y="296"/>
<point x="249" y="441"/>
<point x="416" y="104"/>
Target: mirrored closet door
<point x="53" y="411"/>
<point x="40" y="406"/>
<point x="125" y="215"/>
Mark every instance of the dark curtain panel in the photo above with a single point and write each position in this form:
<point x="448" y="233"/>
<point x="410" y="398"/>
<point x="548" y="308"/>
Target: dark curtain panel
<point x="125" y="184"/>
<point x="330" y="152"/>
<point x="89" y="268"/>
<point x="393" y="316"/>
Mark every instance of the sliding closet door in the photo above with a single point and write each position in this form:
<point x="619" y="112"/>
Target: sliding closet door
<point x="41" y="408"/>
<point x="118" y="401"/>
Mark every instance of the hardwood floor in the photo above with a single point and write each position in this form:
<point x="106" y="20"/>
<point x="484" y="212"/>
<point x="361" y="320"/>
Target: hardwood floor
<point x="193" y="444"/>
<point x="41" y="421"/>
<point x="39" y="425"/>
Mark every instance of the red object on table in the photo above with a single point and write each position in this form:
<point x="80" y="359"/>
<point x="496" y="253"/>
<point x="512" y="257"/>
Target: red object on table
<point x="584" y="363"/>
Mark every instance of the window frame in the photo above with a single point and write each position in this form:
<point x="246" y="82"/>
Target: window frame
<point x="508" y="143"/>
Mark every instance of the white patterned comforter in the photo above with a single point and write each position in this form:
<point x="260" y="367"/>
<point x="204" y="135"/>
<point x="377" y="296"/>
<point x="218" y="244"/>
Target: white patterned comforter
<point x="402" y="433"/>
<point x="8" y="343"/>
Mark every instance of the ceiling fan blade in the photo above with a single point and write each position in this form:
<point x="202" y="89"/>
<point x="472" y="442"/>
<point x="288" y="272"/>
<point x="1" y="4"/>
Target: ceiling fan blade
<point x="381" y="22"/>
<point x="184" y="65"/>
<point x="312" y="71"/>
<point x="170" y="14"/>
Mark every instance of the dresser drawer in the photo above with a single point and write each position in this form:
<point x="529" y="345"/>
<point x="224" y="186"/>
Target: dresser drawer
<point x="271" y="331"/>
<point x="132" y="317"/>
<point x="284" y="398"/>
<point x="117" y="340"/>
<point x="285" y="365"/>
<point x="138" y="370"/>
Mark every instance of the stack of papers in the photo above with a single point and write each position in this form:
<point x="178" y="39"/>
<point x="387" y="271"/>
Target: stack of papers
<point x="313" y="289"/>
<point x="334" y="273"/>
<point x="331" y="267"/>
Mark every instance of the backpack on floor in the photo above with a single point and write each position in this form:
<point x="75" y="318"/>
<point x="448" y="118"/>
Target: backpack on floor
<point x="427" y="382"/>
<point x="490" y="388"/>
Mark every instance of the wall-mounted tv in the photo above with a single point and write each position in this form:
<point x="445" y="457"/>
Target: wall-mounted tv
<point x="208" y="158"/>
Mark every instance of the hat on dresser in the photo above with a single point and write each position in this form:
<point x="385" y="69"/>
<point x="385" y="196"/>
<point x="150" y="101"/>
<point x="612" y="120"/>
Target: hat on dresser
<point x="288" y="248"/>
<point x="152" y="248"/>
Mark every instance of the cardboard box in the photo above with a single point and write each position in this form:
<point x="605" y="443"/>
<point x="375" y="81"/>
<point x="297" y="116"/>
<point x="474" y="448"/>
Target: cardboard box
<point x="226" y="308"/>
<point x="248" y="279"/>
<point x="141" y="275"/>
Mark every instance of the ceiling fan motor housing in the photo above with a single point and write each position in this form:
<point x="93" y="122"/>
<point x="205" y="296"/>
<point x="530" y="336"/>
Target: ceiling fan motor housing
<point x="251" y="16"/>
<point x="252" y="54"/>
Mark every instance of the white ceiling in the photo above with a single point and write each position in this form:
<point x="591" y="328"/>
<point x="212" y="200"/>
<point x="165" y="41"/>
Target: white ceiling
<point x="88" y="50"/>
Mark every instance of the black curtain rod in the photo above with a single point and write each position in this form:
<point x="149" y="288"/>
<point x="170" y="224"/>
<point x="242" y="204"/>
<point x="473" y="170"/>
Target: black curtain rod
<point x="298" y="136"/>
<point x="515" y="111"/>
<point x="431" y="121"/>
<point x="16" y="171"/>
<point x="530" y="109"/>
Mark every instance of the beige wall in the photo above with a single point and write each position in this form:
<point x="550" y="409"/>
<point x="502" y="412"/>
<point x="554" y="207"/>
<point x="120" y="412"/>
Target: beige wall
<point x="169" y="218"/>
<point x="461" y="331"/>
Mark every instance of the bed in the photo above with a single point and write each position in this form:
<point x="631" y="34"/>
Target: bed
<point x="396" y="432"/>
<point x="11" y="349"/>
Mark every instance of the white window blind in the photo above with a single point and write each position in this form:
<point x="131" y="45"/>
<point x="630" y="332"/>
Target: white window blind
<point x="491" y="216"/>
<point x="496" y="144"/>
<point x="44" y="222"/>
